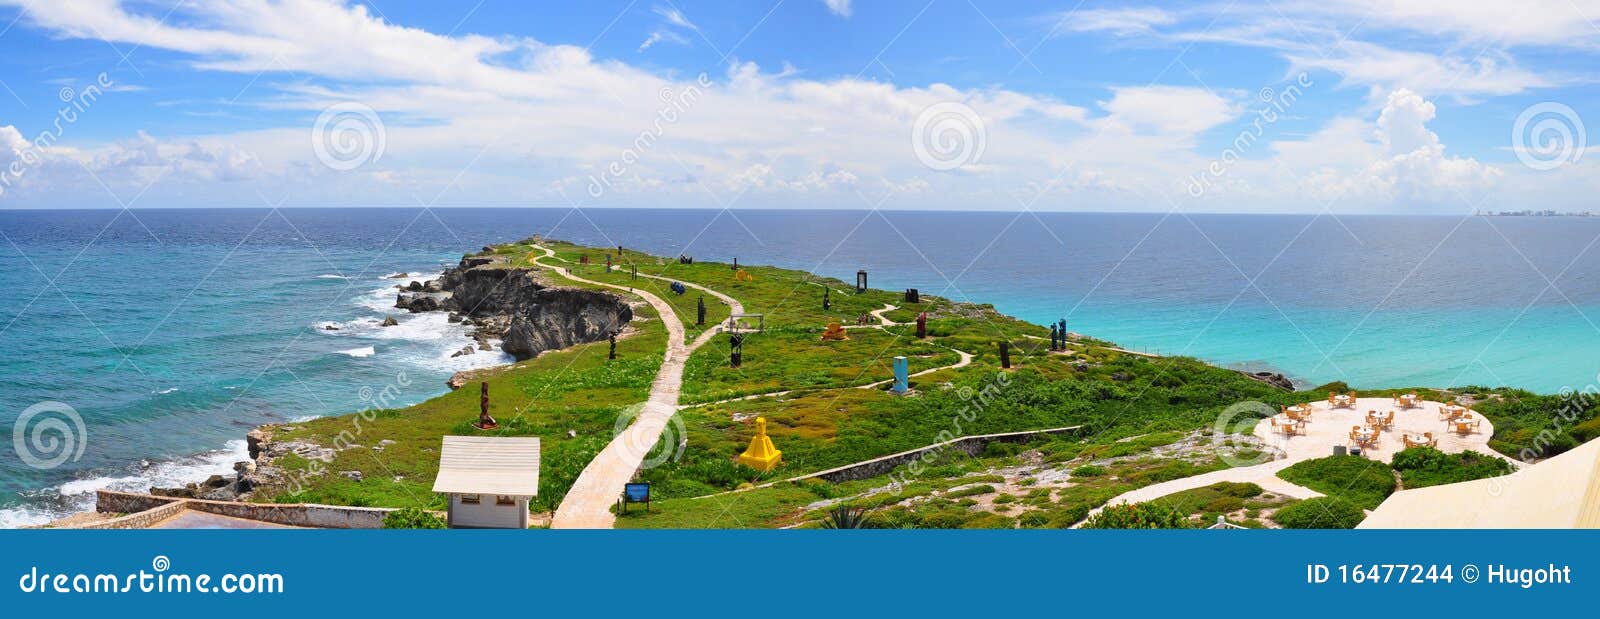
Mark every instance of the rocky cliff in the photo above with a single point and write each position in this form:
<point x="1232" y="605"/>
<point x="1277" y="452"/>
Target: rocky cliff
<point x="510" y="303"/>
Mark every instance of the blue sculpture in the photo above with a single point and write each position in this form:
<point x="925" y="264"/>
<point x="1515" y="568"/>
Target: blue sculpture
<point x="902" y="379"/>
<point x="678" y="288"/>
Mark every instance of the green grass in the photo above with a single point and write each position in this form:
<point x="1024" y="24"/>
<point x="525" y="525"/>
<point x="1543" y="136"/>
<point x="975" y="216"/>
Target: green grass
<point x="1420" y="467"/>
<point x="824" y="422"/>
<point x="1362" y="482"/>
<point x="577" y="388"/>
<point x="794" y="358"/>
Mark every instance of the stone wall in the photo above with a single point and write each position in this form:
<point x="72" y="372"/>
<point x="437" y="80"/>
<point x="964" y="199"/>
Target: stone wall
<point x="308" y="515"/>
<point x="142" y="519"/>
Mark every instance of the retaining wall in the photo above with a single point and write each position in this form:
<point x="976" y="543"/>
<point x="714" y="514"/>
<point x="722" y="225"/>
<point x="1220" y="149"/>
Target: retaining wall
<point x="309" y="515"/>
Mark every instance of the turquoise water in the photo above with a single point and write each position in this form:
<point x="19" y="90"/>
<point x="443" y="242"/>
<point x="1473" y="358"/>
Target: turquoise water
<point x="173" y="332"/>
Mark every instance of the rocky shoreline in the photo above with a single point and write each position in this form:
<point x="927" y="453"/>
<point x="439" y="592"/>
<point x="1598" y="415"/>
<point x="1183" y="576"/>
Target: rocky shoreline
<point x="496" y="301"/>
<point x="500" y="301"/>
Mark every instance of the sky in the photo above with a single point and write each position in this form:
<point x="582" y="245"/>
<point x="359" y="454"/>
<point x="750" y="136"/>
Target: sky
<point x="1330" y="106"/>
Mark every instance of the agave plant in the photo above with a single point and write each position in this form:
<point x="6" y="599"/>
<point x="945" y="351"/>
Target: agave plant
<point x="845" y="517"/>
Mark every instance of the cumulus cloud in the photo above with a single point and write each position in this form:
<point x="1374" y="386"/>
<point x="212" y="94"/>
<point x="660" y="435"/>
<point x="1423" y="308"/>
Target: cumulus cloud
<point x="489" y="120"/>
<point x="1394" y="161"/>
<point x="838" y="7"/>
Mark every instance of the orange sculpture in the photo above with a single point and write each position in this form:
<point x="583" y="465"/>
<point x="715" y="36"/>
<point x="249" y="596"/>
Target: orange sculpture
<point x="742" y="276"/>
<point x="834" y="333"/>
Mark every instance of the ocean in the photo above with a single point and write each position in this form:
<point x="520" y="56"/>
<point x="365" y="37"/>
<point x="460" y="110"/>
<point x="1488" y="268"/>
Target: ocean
<point x="171" y="333"/>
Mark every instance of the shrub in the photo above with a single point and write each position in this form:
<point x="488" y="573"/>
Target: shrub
<point x="1224" y="504"/>
<point x="1243" y="490"/>
<point x="1424" y="466"/>
<point x="846" y="517"/>
<point x="1362" y="482"/>
<point x="1034" y="519"/>
<point x="1137" y="516"/>
<point x="990" y="521"/>
<point x="970" y="491"/>
<point x="1089" y="470"/>
<point x="412" y="518"/>
<point x="1320" y="513"/>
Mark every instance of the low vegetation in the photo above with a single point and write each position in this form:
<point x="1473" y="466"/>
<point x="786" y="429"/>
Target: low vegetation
<point x="1420" y="467"/>
<point x="1359" y="481"/>
<point x="1140" y="420"/>
<point x="1137" y="516"/>
<point x="1320" y="513"/>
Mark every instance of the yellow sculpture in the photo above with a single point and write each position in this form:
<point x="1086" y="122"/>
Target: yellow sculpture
<point x="761" y="455"/>
<point x="742" y="276"/>
<point x="834" y="333"/>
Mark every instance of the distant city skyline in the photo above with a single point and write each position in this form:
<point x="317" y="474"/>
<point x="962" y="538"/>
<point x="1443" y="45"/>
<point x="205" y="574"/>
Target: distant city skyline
<point x="1342" y="106"/>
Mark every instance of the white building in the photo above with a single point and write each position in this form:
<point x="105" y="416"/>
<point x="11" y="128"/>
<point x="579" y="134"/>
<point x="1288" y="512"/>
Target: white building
<point x="489" y="479"/>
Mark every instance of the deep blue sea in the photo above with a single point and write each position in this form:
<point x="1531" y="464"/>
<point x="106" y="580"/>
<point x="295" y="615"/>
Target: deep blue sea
<point x="173" y="332"/>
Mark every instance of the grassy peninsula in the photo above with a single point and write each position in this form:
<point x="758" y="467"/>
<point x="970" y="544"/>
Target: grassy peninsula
<point x="1142" y="419"/>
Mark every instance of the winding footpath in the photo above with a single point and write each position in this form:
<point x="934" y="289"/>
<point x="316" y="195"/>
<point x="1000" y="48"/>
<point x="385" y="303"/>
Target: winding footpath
<point x="588" y="504"/>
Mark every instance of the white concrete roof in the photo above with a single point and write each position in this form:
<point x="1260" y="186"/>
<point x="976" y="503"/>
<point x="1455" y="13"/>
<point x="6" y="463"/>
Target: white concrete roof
<point x="1560" y="493"/>
<point x="489" y="465"/>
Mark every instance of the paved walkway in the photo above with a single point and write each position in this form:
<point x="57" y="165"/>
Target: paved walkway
<point x="588" y="504"/>
<point x="190" y="519"/>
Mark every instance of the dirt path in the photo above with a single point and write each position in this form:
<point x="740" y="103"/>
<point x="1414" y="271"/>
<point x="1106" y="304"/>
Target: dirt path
<point x="734" y="307"/>
<point x="588" y="504"/>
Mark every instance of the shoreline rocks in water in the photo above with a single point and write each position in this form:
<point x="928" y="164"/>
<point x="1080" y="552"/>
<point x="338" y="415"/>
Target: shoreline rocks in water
<point x="509" y="303"/>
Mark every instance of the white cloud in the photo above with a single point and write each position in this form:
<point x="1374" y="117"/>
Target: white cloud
<point x="838" y="7"/>
<point x="1125" y="21"/>
<point x="1460" y="49"/>
<point x="491" y="120"/>
<point x="1181" y="112"/>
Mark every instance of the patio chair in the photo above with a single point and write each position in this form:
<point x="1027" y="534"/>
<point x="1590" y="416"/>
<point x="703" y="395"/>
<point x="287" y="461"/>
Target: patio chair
<point x="1466" y="427"/>
<point x="1331" y="401"/>
<point x="1387" y="421"/>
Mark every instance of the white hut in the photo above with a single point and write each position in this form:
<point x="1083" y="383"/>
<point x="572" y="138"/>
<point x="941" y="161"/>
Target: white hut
<point x="489" y="479"/>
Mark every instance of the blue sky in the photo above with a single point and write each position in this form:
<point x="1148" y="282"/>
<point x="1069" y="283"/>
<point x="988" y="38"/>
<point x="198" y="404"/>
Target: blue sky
<point x="1280" y="106"/>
